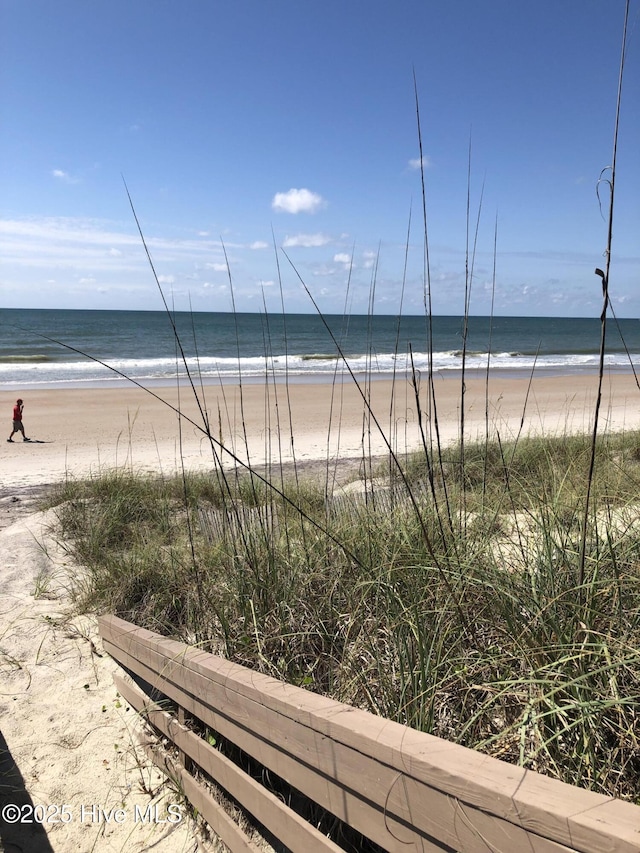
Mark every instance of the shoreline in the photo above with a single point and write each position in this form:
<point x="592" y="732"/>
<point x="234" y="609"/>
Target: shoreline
<point x="79" y="432"/>
<point x="340" y="377"/>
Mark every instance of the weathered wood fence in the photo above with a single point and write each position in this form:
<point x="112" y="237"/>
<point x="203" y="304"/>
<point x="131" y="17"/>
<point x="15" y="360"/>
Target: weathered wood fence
<point x="241" y="521"/>
<point x="403" y="789"/>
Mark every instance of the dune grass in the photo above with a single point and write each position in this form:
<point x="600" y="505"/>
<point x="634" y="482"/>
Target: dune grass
<point x="478" y="631"/>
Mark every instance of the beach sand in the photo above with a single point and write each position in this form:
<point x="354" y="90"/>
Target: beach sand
<point x="80" y="432"/>
<point x="63" y="725"/>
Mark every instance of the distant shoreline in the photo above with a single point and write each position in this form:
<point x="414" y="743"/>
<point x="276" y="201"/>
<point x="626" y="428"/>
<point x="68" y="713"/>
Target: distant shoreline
<point x="341" y="377"/>
<point x="299" y="348"/>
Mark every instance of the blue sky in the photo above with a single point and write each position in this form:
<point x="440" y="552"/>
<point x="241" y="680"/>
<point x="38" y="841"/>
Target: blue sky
<point x="281" y="138"/>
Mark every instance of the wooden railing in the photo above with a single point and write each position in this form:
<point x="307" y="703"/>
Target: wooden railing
<point x="403" y="789"/>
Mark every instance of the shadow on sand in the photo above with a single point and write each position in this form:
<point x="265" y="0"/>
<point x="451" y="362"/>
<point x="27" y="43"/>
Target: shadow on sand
<point x="22" y="837"/>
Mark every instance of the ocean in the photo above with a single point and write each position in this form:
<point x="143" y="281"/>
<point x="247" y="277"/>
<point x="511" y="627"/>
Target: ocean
<point x="64" y="348"/>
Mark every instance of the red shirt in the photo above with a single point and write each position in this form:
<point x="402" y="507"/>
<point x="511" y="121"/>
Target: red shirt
<point x="17" y="412"/>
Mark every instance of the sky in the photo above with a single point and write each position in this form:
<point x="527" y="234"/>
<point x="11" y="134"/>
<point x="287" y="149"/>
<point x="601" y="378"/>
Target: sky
<point x="275" y="153"/>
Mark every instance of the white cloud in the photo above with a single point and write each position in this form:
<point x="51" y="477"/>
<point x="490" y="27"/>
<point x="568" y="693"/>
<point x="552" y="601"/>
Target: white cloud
<point x="217" y="267"/>
<point x="86" y="243"/>
<point x="259" y="244"/>
<point x="80" y="231"/>
<point x="60" y="175"/>
<point x="416" y="163"/>
<point x="166" y="279"/>
<point x="342" y="258"/>
<point x="218" y="287"/>
<point x="297" y="201"/>
<point x="306" y="241"/>
<point x="323" y="271"/>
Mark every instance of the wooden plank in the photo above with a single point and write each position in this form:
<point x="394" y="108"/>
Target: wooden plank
<point x="430" y="810"/>
<point x="345" y="804"/>
<point x="212" y="811"/>
<point x="269" y="810"/>
<point x="390" y="808"/>
<point x="385" y="724"/>
<point x="590" y="822"/>
<point x="580" y="819"/>
<point x="444" y="766"/>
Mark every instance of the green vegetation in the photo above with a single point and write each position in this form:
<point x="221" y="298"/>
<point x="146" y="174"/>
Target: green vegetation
<point x="450" y="602"/>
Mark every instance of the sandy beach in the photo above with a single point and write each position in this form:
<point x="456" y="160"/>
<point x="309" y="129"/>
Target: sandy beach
<point x="80" y="432"/>
<point x="70" y="737"/>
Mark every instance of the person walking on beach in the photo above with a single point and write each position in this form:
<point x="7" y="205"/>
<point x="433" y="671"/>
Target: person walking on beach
<point x="17" y="421"/>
